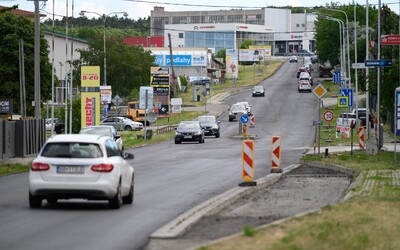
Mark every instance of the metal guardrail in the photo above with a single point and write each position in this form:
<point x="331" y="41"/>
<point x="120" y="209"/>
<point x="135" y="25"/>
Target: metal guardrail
<point x="165" y="129"/>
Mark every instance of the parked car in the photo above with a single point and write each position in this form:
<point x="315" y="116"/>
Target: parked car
<point x="362" y="115"/>
<point x="246" y="105"/>
<point x="304" y="86"/>
<point x="293" y="59"/>
<point x="210" y="125"/>
<point x="51" y="123"/>
<point x="258" y="91"/>
<point x="346" y="119"/>
<point x="105" y="130"/>
<point x="237" y="110"/>
<point x="122" y="123"/>
<point x="189" y="131"/>
<point x="80" y="166"/>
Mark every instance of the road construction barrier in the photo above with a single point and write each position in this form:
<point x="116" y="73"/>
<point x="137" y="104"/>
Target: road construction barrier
<point x="248" y="160"/>
<point x="252" y="121"/>
<point x="276" y="154"/>
<point x="361" y="134"/>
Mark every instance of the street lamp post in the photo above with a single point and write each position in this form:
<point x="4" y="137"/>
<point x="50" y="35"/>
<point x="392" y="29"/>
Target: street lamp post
<point x="104" y="16"/>
<point x="348" y="42"/>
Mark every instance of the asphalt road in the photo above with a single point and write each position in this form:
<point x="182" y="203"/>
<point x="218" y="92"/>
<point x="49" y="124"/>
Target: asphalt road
<point x="169" y="178"/>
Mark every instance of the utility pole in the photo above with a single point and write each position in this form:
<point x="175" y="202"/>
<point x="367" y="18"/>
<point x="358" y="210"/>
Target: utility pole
<point x="172" y="64"/>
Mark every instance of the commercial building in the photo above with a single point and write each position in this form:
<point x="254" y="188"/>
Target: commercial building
<point x="284" y="31"/>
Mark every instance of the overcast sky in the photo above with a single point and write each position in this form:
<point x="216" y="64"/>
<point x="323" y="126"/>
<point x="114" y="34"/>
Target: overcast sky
<point x="141" y="8"/>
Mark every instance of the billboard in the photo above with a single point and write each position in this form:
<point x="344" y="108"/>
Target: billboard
<point x="267" y="49"/>
<point x="90" y="96"/>
<point x="251" y="55"/>
<point x="181" y="60"/>
<point x="232" y="61"/>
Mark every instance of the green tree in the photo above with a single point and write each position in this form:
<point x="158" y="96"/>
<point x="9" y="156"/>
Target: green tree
<point x="128" y="67"/>
<point x="12" y="29"/>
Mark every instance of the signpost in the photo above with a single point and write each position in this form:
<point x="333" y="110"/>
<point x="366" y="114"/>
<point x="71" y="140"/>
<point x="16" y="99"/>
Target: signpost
<point x="336" y="76"/>
<point x="328" y="117"/>
<point x="319" y="91"/>
<point x="349" y="94"/>
<point x="378" y="63"/>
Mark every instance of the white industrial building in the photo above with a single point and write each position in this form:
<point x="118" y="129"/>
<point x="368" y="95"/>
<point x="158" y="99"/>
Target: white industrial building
<point x="279" y="28"/>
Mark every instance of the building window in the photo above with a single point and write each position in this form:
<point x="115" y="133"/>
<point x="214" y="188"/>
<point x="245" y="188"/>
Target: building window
<point x="297" y="25"/>
<point x="180" y="35"/>
<point x="303" y="25"/>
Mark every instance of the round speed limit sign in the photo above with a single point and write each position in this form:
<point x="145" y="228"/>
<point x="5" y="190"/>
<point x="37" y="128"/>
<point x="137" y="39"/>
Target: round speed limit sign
<point x="328" y="116"/>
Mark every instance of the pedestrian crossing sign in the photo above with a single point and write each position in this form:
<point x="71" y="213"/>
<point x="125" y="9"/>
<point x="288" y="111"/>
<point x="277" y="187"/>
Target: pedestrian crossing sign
<point x="343" y="101"/>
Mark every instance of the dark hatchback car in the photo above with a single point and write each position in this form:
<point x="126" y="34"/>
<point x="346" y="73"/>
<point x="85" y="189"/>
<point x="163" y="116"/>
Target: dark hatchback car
<point x="210" y="125"/>
<point x="258" y="91"/>
<point x="189" y="131"/>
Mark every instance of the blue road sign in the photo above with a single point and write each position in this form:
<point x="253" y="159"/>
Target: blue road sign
<point x="336" y="76"/>
<point x="244" y="119"/>
<point x="349" y="94"/>
<point x="378" y="63"/>
<point x="343" y="101"/>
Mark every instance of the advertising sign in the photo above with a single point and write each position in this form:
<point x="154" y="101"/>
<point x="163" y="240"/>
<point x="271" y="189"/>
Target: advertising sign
<point x="90" y="96"/>
<point x="6" y="106"/>
<point x="106" y="94"/>
<point x="251" y="55"/>
<point x="390" y="40"/>
<point x="232" y="60"/>
<point x="342" y="132"/>
<point x="267" y="49"/>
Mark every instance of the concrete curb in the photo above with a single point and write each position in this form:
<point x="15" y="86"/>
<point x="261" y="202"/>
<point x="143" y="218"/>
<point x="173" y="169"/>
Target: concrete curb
<point x="185" y="221"/>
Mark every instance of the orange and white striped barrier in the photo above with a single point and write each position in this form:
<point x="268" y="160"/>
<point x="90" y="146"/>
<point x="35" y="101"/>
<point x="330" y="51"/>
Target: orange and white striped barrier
<point x="252" y="121"/>
<point x="276" y="154"/>
<point x="361" y="134"/>
<point x="248" y="160"/>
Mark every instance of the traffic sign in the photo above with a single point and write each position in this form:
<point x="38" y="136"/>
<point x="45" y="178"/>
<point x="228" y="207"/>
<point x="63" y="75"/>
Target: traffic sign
<point x="336" y="76"/>
<point x="390" y="40"/>
<point x="349" y="94"/>
<point x="358" y="65"/>
<point x="328" y="116"/>
<point x="117" y="100"/>
<point x="244" y="119"/>
<point x="319" y="91"/>
<point x="378" y="63"/>
<point x="343" y="102"/>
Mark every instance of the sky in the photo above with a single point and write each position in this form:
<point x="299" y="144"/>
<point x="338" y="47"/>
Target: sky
<point x="141" y="8"/>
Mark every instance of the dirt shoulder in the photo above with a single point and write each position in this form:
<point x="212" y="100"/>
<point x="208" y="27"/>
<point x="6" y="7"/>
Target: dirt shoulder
<point x="303" y="189"/>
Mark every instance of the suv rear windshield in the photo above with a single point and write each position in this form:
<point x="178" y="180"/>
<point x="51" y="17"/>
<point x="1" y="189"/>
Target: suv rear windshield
<point x="72" y="150"/>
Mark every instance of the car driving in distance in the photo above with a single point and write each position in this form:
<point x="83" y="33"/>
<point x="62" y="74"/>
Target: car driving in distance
<point x="104" y="130"/>
<point x="293" y="59"/>
<point x="210" y="125"/>
<point x="346" y="119"/>
<point x="258" y="91"/>
<point x="79" y="166"/>
<point x="122" y="123"/>
<point x="362" y="115"/>
<point x="301" y="69"/>
<point x="237" y="110"/>
<point x="188" y="131"/>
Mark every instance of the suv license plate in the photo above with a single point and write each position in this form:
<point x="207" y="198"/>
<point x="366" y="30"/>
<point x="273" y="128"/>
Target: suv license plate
<point x="70" y="169"/>
<point x="187" y="136"/>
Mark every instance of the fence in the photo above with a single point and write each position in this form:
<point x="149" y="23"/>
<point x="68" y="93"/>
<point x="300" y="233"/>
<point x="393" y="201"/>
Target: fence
<point x="21" y="138"/>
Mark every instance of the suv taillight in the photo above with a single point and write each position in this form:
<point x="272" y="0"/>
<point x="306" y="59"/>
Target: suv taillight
<point x="37" y="166"/>
<point x="102" y="168"/>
